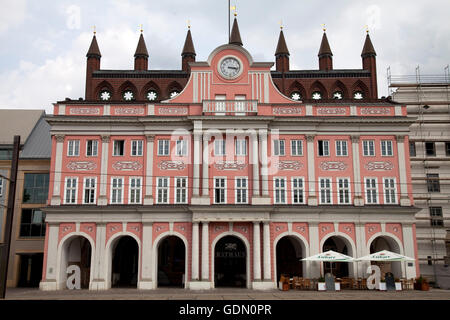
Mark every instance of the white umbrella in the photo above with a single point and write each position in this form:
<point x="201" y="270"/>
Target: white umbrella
<point x="385" y="255"/>
<point x="330" y="256"/>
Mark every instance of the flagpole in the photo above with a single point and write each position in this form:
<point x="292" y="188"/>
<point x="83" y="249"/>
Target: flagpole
<point x="229" y="6"/>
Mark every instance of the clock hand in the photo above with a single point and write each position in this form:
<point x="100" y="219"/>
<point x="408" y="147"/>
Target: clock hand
<point x="233" y="68"/>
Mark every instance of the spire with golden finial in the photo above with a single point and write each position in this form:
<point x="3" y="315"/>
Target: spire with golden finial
<point x="94" y="51"/>
<point x="235" y="37"/>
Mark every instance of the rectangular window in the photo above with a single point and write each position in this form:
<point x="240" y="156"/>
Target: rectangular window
<point x="412" y="149"/>
<point x="341" y="148"/>
<point x="437" y="219"/>
<point x="343" y="190"/>
<point x="296" y="147"/>
<point x="137" y="147"/>
<point x="279" y="190"/>
<point x="447" y="148"/>
<point x="386" y="148"/>
<point x="219" y="190"/>
<point x="1" y="186"/>
<point x="89" y="190"/>
<point x="119" y="147"/>
<point x="35" y="188"/>
<point x="116" y="190"/>
<point x="73" y="149"/>
<point x="241" y="147"/>
<point x="389" y="191"/>
<point x="297" y="191"/>
<point x="219" y="147"/>
<point x="181" y="148"/>
<point x="162" y="192"/>
<point x="430" y="149"/>
<point x="241" y="190"/>
<point x="163" y="147"/>
<point x="135" y="190"/>
<point x="70" y="191"/>
<point x="278" y="147"/>
<point x="433" y="184"/>
<point x="91" y="148"/>
<point x="369" y="148"/>
<point x="325" y="191"/>
<point x="324" y="148"/>
<point x="181" y="188"/>
<point x="371" y="190"/>
<point x="32" y="223"/>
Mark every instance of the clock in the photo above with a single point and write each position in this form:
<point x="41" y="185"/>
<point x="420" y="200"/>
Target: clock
<point x="230" y="67"/>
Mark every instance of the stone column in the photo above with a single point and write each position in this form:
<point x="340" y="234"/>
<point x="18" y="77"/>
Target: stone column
<point x="408" y="245"/>
<point x="103" y="199"/>
<point x="255" y="163"/>
<point x="148" y="199"/>
<point x="195" y="251"/>
<point x="313" y="267"/>
<point x="98" y="265"/>
<point x="205" y="251"/>
<point x="312" y="197"/>
<point x="205" y="166"/>
<point x="404" y="199"/>
<point x="56" y="195"/>
<point x="264" y="163"/>
<point x="146" y="281"/>
<point x="51" y="282"/>
<point x="197" y="160"/>
<point x="256" y="252"/>
<point x="267" y="258"/>
<point x="357" y="199"/>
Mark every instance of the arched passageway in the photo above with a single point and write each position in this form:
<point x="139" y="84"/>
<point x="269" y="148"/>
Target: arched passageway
<point x="289" y="252"/>
<point x="77" y="251"/>
<point x="386" y="243"/>
<point x="230" y="263"/>
<point x="338" y="269"/>
<point x="125" y="262"/>
<point x="171" y="262"/>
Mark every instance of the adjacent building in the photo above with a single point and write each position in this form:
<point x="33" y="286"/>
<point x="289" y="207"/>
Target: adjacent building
<point x="226" y="173"/>
<point x="28" y="227"/>
<point x="428" y="100"/>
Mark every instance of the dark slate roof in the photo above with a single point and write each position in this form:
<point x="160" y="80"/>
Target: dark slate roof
<point x="39" y="143"/>
<point x="188" y="48"/>
<point x="368" y="48"/>
<point x="140" y="74"/>
<point x="94" y="51"/>
<point x="235" y="37"/>
<point x="141" y="49"/>
<point x="324" y="46"/>
<point x="281" y="47"/>
<point x="335" y="73"/>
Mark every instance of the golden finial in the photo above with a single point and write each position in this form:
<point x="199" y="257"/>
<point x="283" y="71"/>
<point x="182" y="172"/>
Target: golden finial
<point x="281" y="24"/>
<point x="233" y="8"/>
<point x="140" y="26"/>
<point x="323" y="27"/>
<point x="189" y="24"/>
<point x="93" y="27"/>
<point x="367" y="28"/>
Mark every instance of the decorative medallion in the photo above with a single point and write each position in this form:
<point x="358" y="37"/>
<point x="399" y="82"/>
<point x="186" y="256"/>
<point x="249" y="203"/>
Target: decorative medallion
<point x="328" y="111"/>
<point x="242" y="228"/>
<point x="301" y="228"/>
<point x="333" y="166"/>
<point x="171" y="165"/>
<point x="88" y="228"/>
<point x="290" y="165"/>
<point x="370" y="111"/>
<point x="66" y="229"/>
<point x="83" y="111"/>
<point x="82" y="165"/>
<point x="127" y="165"/>
<point x="173" y="111"/>
<point x="379" y="165"/>
<point x="230" y="165"/>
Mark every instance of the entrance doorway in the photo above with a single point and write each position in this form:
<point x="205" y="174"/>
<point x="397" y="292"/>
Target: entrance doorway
<point x="338" y="269"/>
<point x="386" y="243"/>
<point x="77" y="251"/>
<point x="230" y="263"/>
<point x="125" y="263"/>
<point x="171" y="262"/>
<point x="30" y="269"/>
<point x="289" y="255"/>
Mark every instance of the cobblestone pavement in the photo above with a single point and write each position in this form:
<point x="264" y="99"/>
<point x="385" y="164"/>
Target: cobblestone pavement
<point x="222" y="294"/>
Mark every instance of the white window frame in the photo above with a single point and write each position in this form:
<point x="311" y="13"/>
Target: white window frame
<point x="164" y="146"/>
<point x="240" y="147"/>
<point x="341" y="148"/>
<point x="280" y="190"/>
<point x="388" y="144"/>
<point x="73" y="148"/>
<point x="394" y="189"/>
<point x="130" y="188"/>
<point x="71" y="188"/>
<point x="181" y="148"/>
<point x="376" y="190"/>
<point x="94" y="147"/>
<point x="94" y="189"/>
<point x="368" y="153"/>
<point x="339" y="189"/>
<point x="116" y="188"/>
<point x="139" y="148"/>
<point x="325" y="147"/>
<point x="279" y="147"/>
<point x="220" y="147"/>
<point x="160" y="188"/>
<point x="114" y="148"/>
<point x="225" y="190"/>
<point x="298" y="147"/>
<point x="293" y="189"/>
<point x="183" y="189"/>
<point x="325" y="189"/>
<point x="236" y="188"/>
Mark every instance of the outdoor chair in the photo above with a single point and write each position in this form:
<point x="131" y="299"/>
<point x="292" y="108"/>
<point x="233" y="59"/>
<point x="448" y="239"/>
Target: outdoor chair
<point x="306" y="284"/>
<point x="409" y="284"/>
<point x="296" y="283"/>
<point x="363" y="284"/>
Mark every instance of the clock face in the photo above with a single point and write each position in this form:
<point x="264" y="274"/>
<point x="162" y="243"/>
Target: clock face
<point x="230" y="68"/>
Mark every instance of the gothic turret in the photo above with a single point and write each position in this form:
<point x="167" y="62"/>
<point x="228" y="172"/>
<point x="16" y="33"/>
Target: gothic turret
<point x="282" y="54"/>
<point x="325" y="54"/>
<point x="93" y="63"/>
<point x="235" y="37"/>
<point x="188" y="54"/>
<point x="141" y="55"/>
<point x="369" y="62"/>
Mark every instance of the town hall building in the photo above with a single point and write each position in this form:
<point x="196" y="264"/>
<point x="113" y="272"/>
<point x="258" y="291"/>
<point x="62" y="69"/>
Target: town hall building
<point x="226" y="173"/>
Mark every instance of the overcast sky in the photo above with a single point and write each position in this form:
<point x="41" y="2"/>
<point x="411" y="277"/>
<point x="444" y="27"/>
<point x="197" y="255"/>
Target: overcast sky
<point x="44" y="43"/>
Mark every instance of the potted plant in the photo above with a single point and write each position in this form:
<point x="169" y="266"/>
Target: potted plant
<point x="321" y="284"/>
<point x="398" y="284"/>
<point x="382" y="284"/>
<point x="421" y="284"/>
